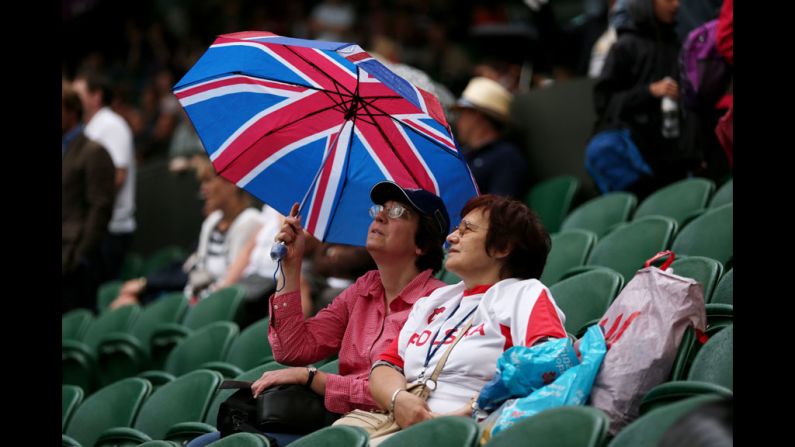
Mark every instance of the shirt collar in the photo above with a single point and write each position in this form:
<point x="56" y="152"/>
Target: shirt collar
<point x="419" y="281"/>
<point x="70" y="135"/>
<point x="481" y="288"/>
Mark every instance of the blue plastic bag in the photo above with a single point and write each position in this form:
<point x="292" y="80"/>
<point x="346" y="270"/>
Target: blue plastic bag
<point x="573" y="387"/>
<point x="522" y="370"/>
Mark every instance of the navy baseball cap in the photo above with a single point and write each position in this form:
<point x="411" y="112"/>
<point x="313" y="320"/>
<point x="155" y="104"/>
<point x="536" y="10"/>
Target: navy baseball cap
<point x="424" y="202"/>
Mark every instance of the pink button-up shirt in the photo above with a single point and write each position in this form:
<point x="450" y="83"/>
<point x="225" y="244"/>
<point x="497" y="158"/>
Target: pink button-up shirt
<point x="355" y="324"/>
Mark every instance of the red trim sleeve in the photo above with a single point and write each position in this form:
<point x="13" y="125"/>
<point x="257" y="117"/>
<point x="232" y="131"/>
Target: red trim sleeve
<point x="391" y="354"/>
<point x="544" y="321"/>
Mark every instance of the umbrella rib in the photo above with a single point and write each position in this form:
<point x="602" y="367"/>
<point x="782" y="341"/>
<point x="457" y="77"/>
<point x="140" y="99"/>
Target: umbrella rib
<point x="455" y="154"/>
<point x="272" y="131"/>
<point x="394" y="150"/>
<point x="313" y="65"/>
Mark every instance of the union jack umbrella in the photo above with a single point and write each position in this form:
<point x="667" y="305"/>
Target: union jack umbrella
<point x="318" y="122"/>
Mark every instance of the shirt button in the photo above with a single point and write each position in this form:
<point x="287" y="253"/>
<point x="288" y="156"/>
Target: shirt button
<point x="284" y="305"/>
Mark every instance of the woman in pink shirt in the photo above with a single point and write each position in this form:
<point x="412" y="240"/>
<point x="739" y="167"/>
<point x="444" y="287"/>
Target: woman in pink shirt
<point x="405" y="240"/>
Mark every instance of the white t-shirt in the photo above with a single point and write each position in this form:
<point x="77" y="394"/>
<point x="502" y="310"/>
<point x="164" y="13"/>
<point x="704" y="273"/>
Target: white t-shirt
<point x="111" y="131"/>
<point x="511" y="312"/>
<point x="260" y="261"/>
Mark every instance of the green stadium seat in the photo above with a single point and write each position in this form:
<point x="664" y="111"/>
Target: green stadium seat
<point x="704" y="270"/>
<point x="724" y="195"/>
<point x="249" y="349"/>
<point x="75" y="323"/>
<point x="586" y="296"/>
<point x="335" y="436"/>
<point x="71" y="396"/>
<point x="444" y="431"/>
<point x="601" y="214"/>
<point x="724" y="293"/>
<point x="569" y="426"/>
<point x="551" y="200"/>
<point x="710" y="235"/>
<point x="678" y="201"/>
<point x="570" y="249"/>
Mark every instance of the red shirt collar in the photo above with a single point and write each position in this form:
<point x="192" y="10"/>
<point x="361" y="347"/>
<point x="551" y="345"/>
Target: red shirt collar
<point x="482" y="288"/>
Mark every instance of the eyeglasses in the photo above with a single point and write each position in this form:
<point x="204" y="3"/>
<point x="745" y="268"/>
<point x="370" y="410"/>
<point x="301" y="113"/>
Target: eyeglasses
<point x="393" y="212"/>
<point x="466" y="226"/>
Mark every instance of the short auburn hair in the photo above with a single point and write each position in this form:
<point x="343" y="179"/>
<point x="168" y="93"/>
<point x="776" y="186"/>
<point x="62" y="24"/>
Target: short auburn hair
<point x="516" y="228"/>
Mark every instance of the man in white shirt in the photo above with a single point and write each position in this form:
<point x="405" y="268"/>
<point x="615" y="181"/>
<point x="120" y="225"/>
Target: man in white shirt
<point x="111" y="130"/>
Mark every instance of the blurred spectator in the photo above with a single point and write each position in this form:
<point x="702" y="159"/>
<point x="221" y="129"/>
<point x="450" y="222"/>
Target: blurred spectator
<point x="185" y="144"/>
<point x="497" y="164"/>
<point x="111" y="131"/>
<point x="725" y="43"/>
<point x="602" y="45"/>
<point x="641" y="68"/>
<point x="332" y="20"/>
<point x="224" y="233"/>
<point x="87" y="175"/>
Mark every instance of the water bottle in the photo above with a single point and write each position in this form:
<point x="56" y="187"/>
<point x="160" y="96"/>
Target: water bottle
<point x="670" y="118"/>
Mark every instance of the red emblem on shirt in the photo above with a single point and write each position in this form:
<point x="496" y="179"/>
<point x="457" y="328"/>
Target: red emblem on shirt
<point x="435" y="312"/>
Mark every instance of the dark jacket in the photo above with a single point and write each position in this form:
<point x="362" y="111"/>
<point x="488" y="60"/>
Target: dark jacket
<point x="87" y="194"/>
<point x="646" y="51"/>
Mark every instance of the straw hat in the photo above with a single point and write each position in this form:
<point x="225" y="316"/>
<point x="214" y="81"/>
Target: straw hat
<point x="487" y="96"/>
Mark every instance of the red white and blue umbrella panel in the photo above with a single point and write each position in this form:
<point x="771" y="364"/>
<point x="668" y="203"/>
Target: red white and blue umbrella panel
<point x="320" y="123"/>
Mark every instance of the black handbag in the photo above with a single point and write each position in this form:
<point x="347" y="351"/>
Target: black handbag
<point x="279" y="409"/>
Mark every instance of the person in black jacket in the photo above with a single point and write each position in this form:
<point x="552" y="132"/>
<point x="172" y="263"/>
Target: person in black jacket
<point x="641" y="69"/>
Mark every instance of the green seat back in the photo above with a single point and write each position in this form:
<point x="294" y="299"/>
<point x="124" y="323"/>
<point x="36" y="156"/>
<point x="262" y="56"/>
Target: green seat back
<point x="551" y="200"/>
<point x="117" y="320"/>
<point x="708" y="235"/>
<point x="161" y="258"/>
<point x="647" y="430"/>
<point x="242" y="440"/>
<point x="185" y="399"/>
<point x="221" y="395"/>
<point x="208" y="344"/>
<point x="704" y="270"/>
<point x="71" y="396"/>
<point x="670" y="392"/>
<point x="115" y="405"/>
<point x="628" y="247"/>
<point x="569" y="249"/>
<point x="334" y="436"/>
<point x="75" y="323"/>
<point x="602" y="213"/>
<point x="586" y="296"/>
<point x="221" y="305"/>
<point x="169" y="308"/>
<point x="724" y="195"/>
<point x="714" y="361"/>
<point x="106" y="293"/>
<point x="132" y="266"/>
<point x="678" y="200"/>
<point x="570" y="426"/>
<point x="444" y="431"/>
<point x="158" y="443"/>
<point x="724" y="293"/>
<point x="251" y="348"/>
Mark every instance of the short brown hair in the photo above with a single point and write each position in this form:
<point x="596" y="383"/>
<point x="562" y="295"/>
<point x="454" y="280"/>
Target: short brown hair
<point x="71" y="101"/>
<point x="514" y="227"/>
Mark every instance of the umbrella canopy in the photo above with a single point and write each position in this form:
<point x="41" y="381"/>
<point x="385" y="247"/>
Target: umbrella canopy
<point x="318" y="122"/>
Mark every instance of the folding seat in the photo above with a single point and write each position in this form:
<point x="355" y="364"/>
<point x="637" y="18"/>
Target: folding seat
<point x="115" y="405"/>
<point x="185" y="399"/>
<point x="647" y="430"/>
<point x="569" y="426"/>
<point x="221" y="305"/>
<point x="336" y="436"/>
<point x="444" y="431"/>
<point x="79" y="358"/>
<point x="124" y="354"/>
<point x="75" y="323"/>
<point x="708" y="235"/>
<point x="551" y="200"/>
<point x="585" y="297"/>
<point x="679" y="201"/>
<point x="249" y="349"/>
<point x="71" y="396"/>
<point x="704" y="270"/>
<point x="185" y="431"/>
<point x="601" y="214"/>
<point x="724" y="195"/>
<point x="198" y="350"/>
<point x="627" y="248"/>
<point x="570" y="248"/>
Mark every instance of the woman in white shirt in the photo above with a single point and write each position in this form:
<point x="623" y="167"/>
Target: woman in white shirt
<point x="499" y="250"/>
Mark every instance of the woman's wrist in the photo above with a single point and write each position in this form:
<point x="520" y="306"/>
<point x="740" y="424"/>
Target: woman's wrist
<point x="393" y="399"/>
